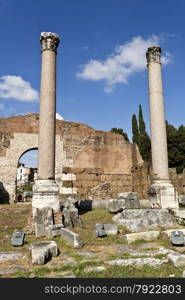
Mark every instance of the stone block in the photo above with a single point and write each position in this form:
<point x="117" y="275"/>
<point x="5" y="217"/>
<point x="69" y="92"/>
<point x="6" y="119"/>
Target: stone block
<point x="177" y="259"/>
<point x="131" y="199"/>
<point x="42" y="219"/>
<point x="166" y="194"/>
<point x="75" y="218"/>
<point x="66" y="217"/>
<point x="43" y="251"/>
<point x="179" y="213"/>
<point x="111" y="228"/>
<point x="10" y="255"/>
<point x="71" y="237"/>
<point x="100" y="231"/>
<point x="46" y="194"/>
<point x="55" y="230"/>
<point x="145" y="203"/>
<point x="94" y="269"/>
<point x="146" y="236"/>
<point x="144" y="219"/>
<point x="115" y="205"/>
<point x="68" y="177"/>
<point x="137" y="262"/>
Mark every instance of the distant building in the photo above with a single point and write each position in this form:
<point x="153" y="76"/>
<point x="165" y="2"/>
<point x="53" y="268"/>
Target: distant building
<point x="25" y="174"/>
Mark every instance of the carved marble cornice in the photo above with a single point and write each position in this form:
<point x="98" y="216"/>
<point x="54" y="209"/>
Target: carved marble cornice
<point x="153" y="54"/>
<point x="49" y="41"/>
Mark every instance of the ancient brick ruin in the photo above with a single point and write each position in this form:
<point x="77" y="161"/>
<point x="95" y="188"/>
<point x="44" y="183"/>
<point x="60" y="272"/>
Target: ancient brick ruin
<point x="89" y="163"/>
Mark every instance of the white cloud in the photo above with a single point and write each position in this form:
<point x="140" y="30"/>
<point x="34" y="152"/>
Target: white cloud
<point x="59" y="117"/>
<point x="15" y="87"/>
<point x="126" y="60"/>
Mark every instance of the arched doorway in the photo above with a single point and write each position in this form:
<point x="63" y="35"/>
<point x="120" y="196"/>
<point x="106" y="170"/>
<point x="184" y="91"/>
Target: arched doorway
<point x="26" y="174"/>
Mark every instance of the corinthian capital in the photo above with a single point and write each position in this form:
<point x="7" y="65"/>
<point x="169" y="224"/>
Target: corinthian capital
<point x="153" y="54"/>
<point x="49" y="41"/>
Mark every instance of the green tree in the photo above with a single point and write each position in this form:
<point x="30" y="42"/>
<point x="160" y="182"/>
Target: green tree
<point x="172" y="145"/>
<point x="145" y="146"/>
<point x="180" y="154"/>
<point x="142" y="127"/>
<point x="120" y="131"/>
<point x="135" y="130"/>
<point x="141" y="137"/>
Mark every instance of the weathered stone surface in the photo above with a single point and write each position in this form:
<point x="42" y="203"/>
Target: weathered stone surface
<point x="5" y="256"/>
<point x="46" y="194"/>
<point x="181" y="200"/>
<point x="177" y="259"/>
<point x="70" y="214"/>
<point x="43" y="251"/>
<point x="6" y="271"/>
<point x="42" y="219"/>
<point x="115" y="205"/>
<point x="151" y="253"/>
<point x="111" y="228"/>
<point x="146" y="236"/>
<point x="167" y="233"/>
<point x="71" y="237"/>
<point x="100" y="191"/>
<point x="86" y="253"/>
<point x="54" y="230"/>
<point x="180" y="216"/>
<point x="100" y="231"/>
<point x="145" y="203"/>
<point x="75" y="218"/>
<point x="131" y="199"/>
<point x="94" y="269"/>
<point x="179" y="213"/>
<point x="144" y="219"/>
<point x="137" y="262"/>
<point x="92" y="204"/>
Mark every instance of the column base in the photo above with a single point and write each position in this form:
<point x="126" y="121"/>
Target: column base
<point x="46" y="194"/>
<point x="166" y="195"/>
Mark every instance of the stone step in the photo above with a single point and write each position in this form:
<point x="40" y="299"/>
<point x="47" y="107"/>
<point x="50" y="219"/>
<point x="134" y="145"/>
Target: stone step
<point x="144" y="219"/>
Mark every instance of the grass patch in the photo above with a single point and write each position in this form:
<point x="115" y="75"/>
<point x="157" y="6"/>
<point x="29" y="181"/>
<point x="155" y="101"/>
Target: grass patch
<point x="22" y="274"/>
<point x="87" y="233"/>
<point x="163" y="271"/>
<point x="40" y="272"/>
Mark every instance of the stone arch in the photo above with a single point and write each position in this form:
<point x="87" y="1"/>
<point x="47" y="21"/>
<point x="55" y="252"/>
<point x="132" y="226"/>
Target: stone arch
<point x="20" y="143"/>
<point x="35" y="148"/>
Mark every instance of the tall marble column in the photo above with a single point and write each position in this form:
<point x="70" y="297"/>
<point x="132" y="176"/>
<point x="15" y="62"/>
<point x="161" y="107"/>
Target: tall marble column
<point x="166" y="194"/>
<point x="45" y="190"/>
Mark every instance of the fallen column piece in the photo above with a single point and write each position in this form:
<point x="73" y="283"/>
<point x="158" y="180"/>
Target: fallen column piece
<point x="71" y="237"/>
<point x="43" y="251"/>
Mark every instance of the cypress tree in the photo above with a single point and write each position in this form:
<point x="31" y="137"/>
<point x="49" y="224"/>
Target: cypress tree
<point x="142" y="127"/>
<point x="144" y="139"/>
<point x="135" y="130"/>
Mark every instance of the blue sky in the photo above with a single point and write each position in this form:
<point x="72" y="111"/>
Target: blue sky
<point x="101" y="41"/>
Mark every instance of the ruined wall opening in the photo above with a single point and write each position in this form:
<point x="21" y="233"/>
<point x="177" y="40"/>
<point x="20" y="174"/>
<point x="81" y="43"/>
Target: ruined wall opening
<point x="26" y="174"/>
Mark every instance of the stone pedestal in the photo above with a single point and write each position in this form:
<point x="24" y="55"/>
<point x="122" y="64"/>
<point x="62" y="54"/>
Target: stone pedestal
<point x="46" y="194"/>
<point x="166" y="194"/>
